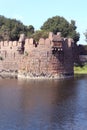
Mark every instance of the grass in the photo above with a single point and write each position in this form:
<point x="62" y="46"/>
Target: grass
<point x="80" y="70"/>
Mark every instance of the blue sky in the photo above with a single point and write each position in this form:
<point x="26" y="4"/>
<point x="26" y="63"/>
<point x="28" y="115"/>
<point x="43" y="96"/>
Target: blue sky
<point x="36" y="12"/>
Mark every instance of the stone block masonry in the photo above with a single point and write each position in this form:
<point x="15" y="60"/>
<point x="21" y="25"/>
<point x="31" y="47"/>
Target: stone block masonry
<point x="51" y="58"/>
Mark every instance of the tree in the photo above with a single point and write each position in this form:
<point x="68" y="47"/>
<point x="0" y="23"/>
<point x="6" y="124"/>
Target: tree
<point x="40" y="34"/>
<point x="60" y="24"/>
<point x="85" y="34"/>
<point x="10" y="29"/>
<point x="30" y="30"/>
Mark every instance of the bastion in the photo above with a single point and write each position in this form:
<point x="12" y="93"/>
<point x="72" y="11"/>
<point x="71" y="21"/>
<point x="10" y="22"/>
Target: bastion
<point x="53" y="57"/>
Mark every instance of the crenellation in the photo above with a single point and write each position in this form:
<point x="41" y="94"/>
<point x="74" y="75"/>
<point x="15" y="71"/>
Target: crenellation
<point x="10" y="43"/>
<point x="2" y="43"/>
<point x="51" y="57"/>
<point x="6" y="43"/>
<point x="19" y="43"/>
<point x="15" y="43"/>
<point x="41" y="41"/>
<point x="27" y="40"/>
<point x="31" y="41"/>
<point x="51" y="36"/>
<point x="47" y="42"/>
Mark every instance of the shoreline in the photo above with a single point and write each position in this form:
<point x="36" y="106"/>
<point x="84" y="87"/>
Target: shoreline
<point x="8" y="74"/>
<point x="15" y="74"/>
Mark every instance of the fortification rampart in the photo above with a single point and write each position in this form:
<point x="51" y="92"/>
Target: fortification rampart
<point x="51" y="57"/>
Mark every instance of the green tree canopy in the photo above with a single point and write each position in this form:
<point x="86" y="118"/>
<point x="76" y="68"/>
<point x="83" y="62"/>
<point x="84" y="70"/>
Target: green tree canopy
<point x="30" y="30"/>
<point x="40" y="34"/>
<point x="60" y="24"/>
<point x="10" y="29"/>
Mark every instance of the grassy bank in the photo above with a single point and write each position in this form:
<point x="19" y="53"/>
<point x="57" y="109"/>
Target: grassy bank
<point x="80" y="70"/>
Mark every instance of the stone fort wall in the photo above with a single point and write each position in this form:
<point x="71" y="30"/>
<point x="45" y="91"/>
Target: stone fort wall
<point x="37" y="60"/>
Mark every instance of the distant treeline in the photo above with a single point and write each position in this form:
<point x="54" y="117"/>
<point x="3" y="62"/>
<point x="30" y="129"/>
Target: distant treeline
<point x="82" y="49"/>
<point x="10" y="29"/>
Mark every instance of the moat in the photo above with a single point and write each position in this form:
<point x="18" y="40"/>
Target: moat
<point x="43" y="104"/>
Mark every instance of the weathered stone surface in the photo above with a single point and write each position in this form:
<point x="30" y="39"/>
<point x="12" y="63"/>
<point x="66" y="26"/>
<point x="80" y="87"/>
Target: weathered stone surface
<point x="48" y="59"/>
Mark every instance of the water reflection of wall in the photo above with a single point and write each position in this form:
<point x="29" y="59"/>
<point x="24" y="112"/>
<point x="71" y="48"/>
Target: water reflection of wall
<point x="49" y="102"/>
<point x="43" y="104"/>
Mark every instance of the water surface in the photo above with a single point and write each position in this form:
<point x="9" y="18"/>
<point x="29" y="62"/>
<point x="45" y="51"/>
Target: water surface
<point x="43" y="104"/>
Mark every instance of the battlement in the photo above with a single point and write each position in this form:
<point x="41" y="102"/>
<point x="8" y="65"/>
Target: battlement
<point x="52" y="40"/>
<point x="48" y="57"/>
<point x="29" y="43"/>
